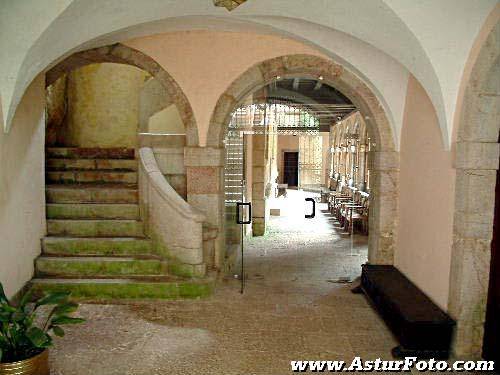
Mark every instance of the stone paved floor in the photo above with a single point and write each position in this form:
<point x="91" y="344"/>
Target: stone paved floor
<point x="293" y="308"/>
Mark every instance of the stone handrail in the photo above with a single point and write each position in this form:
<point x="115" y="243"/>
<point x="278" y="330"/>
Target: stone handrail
<point x="174" y="224"/>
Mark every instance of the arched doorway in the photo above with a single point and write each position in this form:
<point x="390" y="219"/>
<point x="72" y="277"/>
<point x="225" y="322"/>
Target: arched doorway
<point x="476" y="162"/>
<point x="383" y="217"/>
<point x="121" y="54"/>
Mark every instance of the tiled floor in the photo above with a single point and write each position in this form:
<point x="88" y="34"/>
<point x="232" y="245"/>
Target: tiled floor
<point x="293" y="307"/>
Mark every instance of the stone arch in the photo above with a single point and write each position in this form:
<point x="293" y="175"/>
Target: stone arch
<point x="121" y="54"/>
<point x="384" y="161"/>
<point x="476" y="163"/>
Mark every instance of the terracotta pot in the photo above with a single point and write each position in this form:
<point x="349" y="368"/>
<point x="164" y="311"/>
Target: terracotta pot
<point x="37" y="365"/>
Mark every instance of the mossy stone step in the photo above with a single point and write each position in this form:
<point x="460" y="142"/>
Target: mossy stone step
<point x="92" y="211"/>
<point x="90" y="153"/>
<point x="95" y="228"/>
<point x="105" y="193"/>
<point x="97" y="266"/>
<point x="113" y="289"/>
<point x="91" y="164"/>
<point x="95" y="176"/>
<point x="96" y="246"/>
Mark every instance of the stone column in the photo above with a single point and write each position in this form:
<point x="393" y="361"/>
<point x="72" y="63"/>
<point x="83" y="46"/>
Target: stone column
<point x="258" y="185"/>
<point x="205" y="189"/>
<point x="383" y="219"/>
<point x="476" y="164"/>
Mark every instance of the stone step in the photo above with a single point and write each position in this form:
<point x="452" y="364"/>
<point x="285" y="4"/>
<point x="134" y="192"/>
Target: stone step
<point x="95" y="228"/>
<point x="91" y="164"/>
<point x="104" y="193"/>
<point x="97" y="266"/>
<point x="75" y="246"/>
<point x="90" y="153"/>
<point x="92" y="211"/>
<point x="132" y="288"/>
<point x="95" y="176"/>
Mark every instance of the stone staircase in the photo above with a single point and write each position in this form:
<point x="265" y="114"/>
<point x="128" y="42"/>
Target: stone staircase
<point x="96" y="245"/>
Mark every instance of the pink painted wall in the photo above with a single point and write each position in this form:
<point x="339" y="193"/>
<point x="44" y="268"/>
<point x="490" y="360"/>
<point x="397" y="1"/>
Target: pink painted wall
<point x="205" y="63"/>
<point x="426" y="199"/>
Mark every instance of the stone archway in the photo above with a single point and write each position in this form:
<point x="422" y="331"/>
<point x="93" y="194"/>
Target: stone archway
<point x="121" y="54"/>
<point x="476" y="163"/>
<point x="385" y="160"/>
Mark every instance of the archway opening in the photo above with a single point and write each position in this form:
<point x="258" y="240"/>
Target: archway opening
<point x="383" y="160"/>
<point x="113" y="118"/>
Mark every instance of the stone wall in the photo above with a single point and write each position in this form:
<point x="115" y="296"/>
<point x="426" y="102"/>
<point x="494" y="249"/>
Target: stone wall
<point x="103" y="106"/>
<point x="476" y="162"/>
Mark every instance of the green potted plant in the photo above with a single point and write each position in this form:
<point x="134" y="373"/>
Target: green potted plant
<point x="26" y="335"/>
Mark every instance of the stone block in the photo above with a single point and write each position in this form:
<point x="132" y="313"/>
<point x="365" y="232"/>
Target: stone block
<point x="477" y="155"/>
<point x="110" y="289"/>
<point x="97" y="266"/>
<point x="475" y="191"/>
<point x="170" y="161"/>
<point x="384" y="160"/>
<point x="92" y="211"/>
<point x="95" y="228"/>
<point x="258" y="227"/>
<point x="211" y="205"/>
<point x="96" y="246"/>
<point x="204" y="157"/>
<point x="179" y="183"/>
<point x="259" y="208"/>
<point x="203" y="180"/>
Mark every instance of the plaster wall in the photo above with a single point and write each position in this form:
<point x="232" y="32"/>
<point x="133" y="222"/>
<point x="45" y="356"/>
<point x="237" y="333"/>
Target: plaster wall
<point x="103" y="105"/>
<point x="205" y="63"/>
<point x="22" y="197"/>
<point x="426" y="199"/>
<point x="166" y="121"/>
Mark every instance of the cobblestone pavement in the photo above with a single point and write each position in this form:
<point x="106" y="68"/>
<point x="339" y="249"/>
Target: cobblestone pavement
<point x="296" y="305"/>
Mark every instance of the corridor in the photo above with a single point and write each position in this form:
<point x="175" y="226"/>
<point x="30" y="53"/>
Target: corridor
<point x="296" y="305"/>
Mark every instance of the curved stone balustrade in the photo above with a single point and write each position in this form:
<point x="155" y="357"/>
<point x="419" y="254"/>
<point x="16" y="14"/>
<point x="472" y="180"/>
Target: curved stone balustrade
<point x="174" y="225"/>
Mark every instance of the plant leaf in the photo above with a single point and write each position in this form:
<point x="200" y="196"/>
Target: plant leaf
<point x="37" y="337"/>
<point x="66" y="308"/>
<point x="58" y="320"/>
<point x="18" y="316"/>
<point x="26" y="298"/>
<point x="3" y="297"/>
<point x="58" y="331"/>
<point x="53" y="298"/>
<point x="1" y="353"/>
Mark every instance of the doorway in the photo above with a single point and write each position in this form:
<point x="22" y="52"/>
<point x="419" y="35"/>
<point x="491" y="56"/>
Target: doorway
<point x="291" y="168"/>
<point x="491" y="346"/>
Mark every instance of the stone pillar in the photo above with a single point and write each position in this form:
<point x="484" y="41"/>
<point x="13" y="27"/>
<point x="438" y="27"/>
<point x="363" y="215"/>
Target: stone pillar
<point x="205" y="189"/>
<point x="476" y="164"/>
<point x="383" y="219"/>
<point x="258" y="185"/>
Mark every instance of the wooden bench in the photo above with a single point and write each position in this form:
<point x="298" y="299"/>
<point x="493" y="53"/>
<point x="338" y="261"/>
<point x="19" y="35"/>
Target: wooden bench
<point x="421" y="327"/>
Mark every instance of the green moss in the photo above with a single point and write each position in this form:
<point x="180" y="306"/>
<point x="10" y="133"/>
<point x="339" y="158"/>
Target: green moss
<point x="130" y="290"/>
<point x="97" y="246"/>
<point x="186" y="270"/>
<point x="61" y="267"/>
<point x="92" y="211"/>
<point x="95" y="228"/>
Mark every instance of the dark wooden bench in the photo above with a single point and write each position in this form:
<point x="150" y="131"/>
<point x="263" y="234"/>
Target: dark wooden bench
<point x="421" y="327"/>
